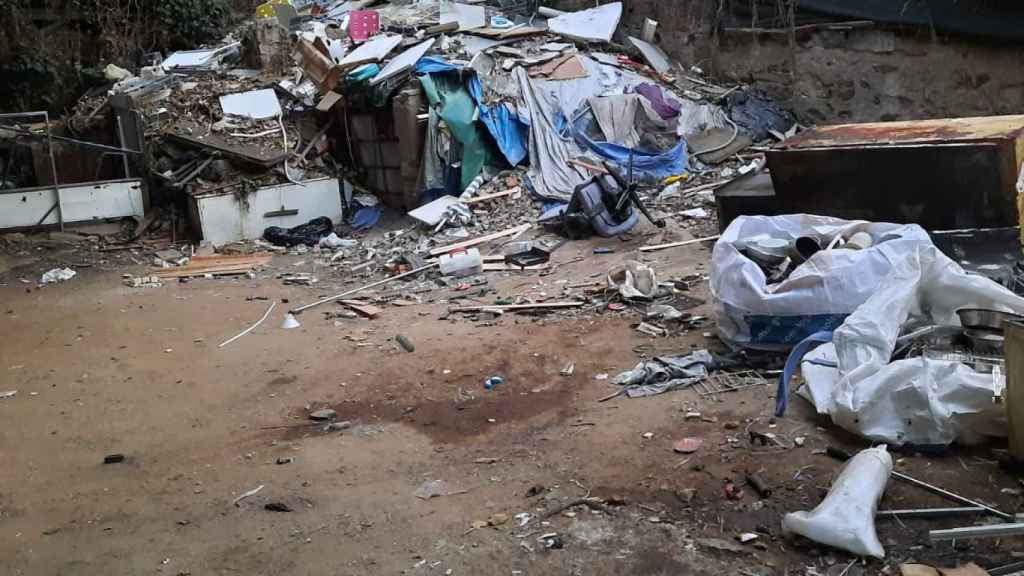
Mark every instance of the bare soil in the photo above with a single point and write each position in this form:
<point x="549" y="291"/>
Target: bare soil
<point x="101" y="368"/>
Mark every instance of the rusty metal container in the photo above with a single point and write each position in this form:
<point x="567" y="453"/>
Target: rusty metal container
<point x="942" y="174"/>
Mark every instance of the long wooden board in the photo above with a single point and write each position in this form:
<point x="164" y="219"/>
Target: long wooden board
<point x="479" y="240"/>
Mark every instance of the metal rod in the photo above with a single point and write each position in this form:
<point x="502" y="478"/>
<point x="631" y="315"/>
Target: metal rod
<point x="53" y="170"/>
<point x="840" y="454"/>
<point x="360" y="289"/>
<point x="951" y="496"/>
<point x="930" y="512"/>
<point x="991" y="531"/>
<point x="120" y="138"/>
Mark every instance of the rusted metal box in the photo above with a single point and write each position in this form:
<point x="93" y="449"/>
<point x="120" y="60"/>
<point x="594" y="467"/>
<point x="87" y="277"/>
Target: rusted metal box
<point x="942" y="174"/>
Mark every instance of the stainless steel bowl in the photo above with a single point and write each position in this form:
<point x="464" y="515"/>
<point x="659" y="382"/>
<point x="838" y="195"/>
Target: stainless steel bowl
<point x="985" y="342"/>
<point x="982" y="319"/>
<point x="764" y="258"/>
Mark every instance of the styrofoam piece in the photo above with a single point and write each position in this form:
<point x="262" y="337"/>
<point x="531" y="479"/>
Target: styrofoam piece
<point x="467" y="15"/>
<point x="256" y="104"/>
<point x="592" y="25"/>
<point x="404" y="61"/>
<point x="432" y="212"/>
<point x="373" y="51"/>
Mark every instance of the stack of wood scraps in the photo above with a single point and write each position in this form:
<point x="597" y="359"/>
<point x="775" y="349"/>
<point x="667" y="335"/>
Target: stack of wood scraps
<point x="217" y="265"/>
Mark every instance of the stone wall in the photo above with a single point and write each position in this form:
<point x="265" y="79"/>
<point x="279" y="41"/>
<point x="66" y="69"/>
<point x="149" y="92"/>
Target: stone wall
<point x="856" y="75"/>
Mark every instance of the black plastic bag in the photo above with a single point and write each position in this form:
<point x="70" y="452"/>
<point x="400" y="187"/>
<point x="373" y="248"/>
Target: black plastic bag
<point x="309" y="233"/>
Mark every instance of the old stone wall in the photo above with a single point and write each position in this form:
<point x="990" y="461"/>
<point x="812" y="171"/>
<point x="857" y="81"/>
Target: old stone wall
<point x="856" y="75"/>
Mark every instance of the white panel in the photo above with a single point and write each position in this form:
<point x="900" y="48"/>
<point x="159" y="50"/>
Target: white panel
<point x="81" y="203"/>
<point x="224" y="219"/>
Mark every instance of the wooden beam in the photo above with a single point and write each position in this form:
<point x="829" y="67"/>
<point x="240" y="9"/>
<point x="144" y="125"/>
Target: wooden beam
<point x="1013" y="348"/>
<point x="675" y="244"/>
<point x="480" y="240"/>
<point x="487" y="197"/>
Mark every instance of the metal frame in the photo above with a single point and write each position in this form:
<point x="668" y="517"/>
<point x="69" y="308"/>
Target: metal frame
<point x="729" y="382"/>
<point x="53" y="163"/>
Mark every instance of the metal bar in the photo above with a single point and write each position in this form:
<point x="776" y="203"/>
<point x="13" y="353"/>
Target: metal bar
<point x="53" y="169"/>
<point x="967" y="532"/>
<point x="120" y="139"/>
<point x="360" y="289"/>
<point x="73" y="141"/>
<point x="1014" y="568"/>
<point x="930" y="512"/>
<point x="840" y="454"/>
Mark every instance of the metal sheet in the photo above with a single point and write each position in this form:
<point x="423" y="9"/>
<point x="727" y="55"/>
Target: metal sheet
<point x="23" y="207"/>
<point x="986" y="128"/>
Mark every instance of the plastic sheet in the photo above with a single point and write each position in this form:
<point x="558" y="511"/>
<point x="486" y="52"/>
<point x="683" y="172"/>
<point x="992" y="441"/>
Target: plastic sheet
<point x="846" y="517"/>
<point x="309" y="233"/>
<point x="817" y="296"/>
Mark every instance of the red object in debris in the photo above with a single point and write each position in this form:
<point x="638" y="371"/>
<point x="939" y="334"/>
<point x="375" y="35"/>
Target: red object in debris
<point x="616" y="306"/>
<point x="462" y="286"/>
<point x="362" y="24"/>
<point x="688" y="445"/>
<point x="732" y="492"/>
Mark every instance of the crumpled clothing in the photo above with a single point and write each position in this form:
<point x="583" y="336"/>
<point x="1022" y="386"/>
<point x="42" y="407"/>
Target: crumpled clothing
<point x="57" y="275"/>
<point x="665" y="106"/>
<point x="661" y="374"/>
<point x="618" y="119"/>
<point x="633" y="280"/>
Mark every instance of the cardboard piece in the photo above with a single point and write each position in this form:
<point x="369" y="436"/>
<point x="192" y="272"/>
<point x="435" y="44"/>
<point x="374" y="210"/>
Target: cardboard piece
<point x="373" y="51"/>
<point x="404" y="61"/>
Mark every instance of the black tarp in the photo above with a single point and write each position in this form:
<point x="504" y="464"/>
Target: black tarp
<point x="997" y="19"/>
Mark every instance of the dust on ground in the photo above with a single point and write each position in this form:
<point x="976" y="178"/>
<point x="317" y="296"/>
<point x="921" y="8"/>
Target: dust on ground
<point x="101" y="368"/>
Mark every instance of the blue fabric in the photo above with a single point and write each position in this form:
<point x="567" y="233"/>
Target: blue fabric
<point x="508" y="130"/>
<point x="366" y="217"/>
<point x="434" y="65"/>
<point x="658" y="164"/>
<point x="798" y="352"/>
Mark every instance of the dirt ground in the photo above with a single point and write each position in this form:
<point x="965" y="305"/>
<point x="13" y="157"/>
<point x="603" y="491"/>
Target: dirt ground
<point x="101" y="368"/>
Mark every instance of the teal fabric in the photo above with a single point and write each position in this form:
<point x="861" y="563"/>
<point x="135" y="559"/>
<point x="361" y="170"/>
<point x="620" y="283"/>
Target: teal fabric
<point x="447" y="93"/>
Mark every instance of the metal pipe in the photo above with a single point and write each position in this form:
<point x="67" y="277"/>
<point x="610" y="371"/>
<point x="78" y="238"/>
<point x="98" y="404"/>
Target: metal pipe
<point x="120" y="139"/>
<point x="840" y="454"/>
<point x="930" y="512"/>
<point x="53" y="170"/>
<point x="967" y="532"/>
<point x="360" y="289"/>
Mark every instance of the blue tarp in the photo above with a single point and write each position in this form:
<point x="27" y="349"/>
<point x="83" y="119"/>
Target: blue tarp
<point x="509" y="132"/>
<point x="658" y="164"/>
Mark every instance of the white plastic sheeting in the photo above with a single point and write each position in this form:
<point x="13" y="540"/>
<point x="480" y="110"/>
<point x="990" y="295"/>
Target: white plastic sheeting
<point x="817" y="296"/>
<point x="846" y="517"/>
<point x="919" y="400"/>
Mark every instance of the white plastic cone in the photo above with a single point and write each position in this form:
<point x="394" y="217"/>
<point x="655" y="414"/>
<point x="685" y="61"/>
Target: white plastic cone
<point x="290" y="322"/>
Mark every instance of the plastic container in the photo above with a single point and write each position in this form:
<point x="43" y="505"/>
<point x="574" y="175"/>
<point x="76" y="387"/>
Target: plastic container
<point x="461" y="263"/>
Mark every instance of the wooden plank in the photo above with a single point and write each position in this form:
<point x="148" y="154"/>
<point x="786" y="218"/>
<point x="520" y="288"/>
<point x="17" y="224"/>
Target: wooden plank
<point x="368" y="310"/>
<point x="1013" y="347"/>
<point x="511" y="307"/>
<point x="486" y="197"/>
<point x="217" y="264"/>
<point x="675" y="244"/>
<point x="480" y="240"/>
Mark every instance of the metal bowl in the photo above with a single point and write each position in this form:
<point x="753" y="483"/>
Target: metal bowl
<point x="764" y="258"/>
<point x="980" y="318"/>
<point x="985" y="342"/>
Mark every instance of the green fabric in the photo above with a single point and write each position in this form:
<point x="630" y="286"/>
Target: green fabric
<point x="459" y="111"/>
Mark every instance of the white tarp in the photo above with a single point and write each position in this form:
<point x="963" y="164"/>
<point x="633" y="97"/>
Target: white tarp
<point x="817" y="296"/>
<point x="916" y="400"/>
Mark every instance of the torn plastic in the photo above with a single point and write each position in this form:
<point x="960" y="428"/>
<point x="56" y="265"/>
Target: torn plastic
<point x="845" y="519"/>
<point x="918" y="400"/>
<point x="633" y="280"/>
<point x="661" y="374"/>
<point x="309" y="233"/>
